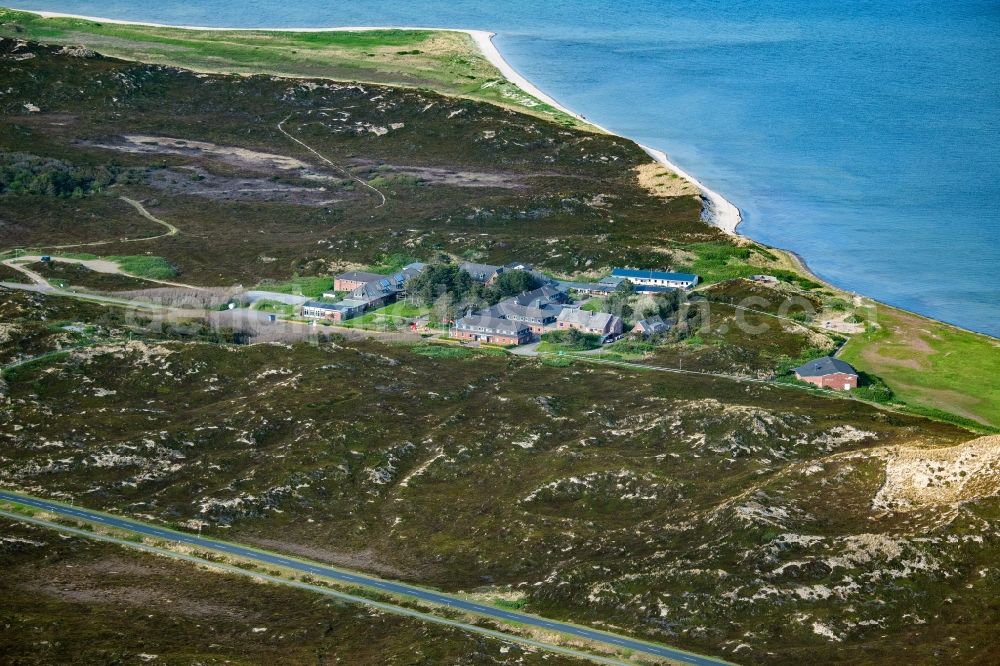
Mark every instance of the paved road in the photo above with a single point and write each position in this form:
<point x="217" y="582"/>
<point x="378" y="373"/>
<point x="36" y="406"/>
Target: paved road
<point x="321" y="590"/>
<point x="369" y="582"/>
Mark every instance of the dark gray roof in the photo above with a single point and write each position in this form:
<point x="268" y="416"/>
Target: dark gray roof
<point x="653" y="324"/>
<point x="544" y="295"/>
<point x="412" y="270"/>
<point x="592" y="320"/>
<point x="476" y="322"/>
<point x="371" y="291"/>
<point x="480" y="272"/>
<point x="360" y="276"/>
<point x="824" y="366"/>
<point x="511" y="309"/>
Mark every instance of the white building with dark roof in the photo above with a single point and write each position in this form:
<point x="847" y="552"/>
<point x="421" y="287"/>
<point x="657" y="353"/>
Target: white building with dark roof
<point x="648" y="278"/>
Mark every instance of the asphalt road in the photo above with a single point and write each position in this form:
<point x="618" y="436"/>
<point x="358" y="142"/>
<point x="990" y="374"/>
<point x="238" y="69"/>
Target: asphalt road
<point x="369" y="582"/>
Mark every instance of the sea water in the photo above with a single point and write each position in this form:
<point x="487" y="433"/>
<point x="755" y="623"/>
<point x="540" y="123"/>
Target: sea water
<point x="865" y="136"/>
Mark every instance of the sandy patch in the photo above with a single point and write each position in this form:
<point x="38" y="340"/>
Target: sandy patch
<point x="232" y="155"/>
<point x="455" y="177"/>
<point x="96" y="265"/>
<point x="838" y="323"/>
<point x="916" y="478"/>
<point x="195" y="181"/>
<point x="661" y="182"/>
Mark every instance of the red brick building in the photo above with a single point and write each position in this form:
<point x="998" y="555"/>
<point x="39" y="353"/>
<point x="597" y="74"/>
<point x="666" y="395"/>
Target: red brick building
<point x="353" y="279"/>
<point x="828" y="372"/>
<point x="491" y="330"/>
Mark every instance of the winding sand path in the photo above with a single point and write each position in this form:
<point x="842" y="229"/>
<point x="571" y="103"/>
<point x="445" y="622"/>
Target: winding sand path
<point x="720" y="212"/>
<point x="96" y="265"/>
<point x="332" y="164"/>
<point x="171" y="231"/>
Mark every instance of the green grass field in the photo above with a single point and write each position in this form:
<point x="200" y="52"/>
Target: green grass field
<point x="444" y="61"/>
<point x="932" y="365"/>
<point x="716" y="262"/>
<point x="390" y="318"/>
<point x="275" y="307"/>
<point x="156" y="268"/>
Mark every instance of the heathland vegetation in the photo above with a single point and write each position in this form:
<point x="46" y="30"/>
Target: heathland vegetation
<point x="588" y="492"/>
<point x="742" y="518"/>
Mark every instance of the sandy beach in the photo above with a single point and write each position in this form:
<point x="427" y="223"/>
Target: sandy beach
<point x="719" y="212"/>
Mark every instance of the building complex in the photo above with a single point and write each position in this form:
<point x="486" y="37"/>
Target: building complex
<point x="513" y="321"/>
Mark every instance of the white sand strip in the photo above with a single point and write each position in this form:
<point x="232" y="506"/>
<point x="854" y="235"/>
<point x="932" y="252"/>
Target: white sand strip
<point x="719" y="212"/>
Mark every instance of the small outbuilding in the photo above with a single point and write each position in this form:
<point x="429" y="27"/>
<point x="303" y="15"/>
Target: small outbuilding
<point x="828" y="372"/>
<point x="651" y="326"/>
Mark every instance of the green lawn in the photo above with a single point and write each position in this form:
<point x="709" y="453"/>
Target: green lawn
<point x="156" y="268"/>
<point x="275" y="307"/>
<point x="391" y="317"/>
<point x="932" y="365"/>
<point x="717" y="261"/>
<point x="444" y="61"/>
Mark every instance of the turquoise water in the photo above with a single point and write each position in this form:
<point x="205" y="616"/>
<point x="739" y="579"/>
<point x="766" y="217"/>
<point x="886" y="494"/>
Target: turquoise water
<point x="865" y="136"/>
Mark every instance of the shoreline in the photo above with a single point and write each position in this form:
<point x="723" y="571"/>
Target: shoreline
<point x="719" y="211"/>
